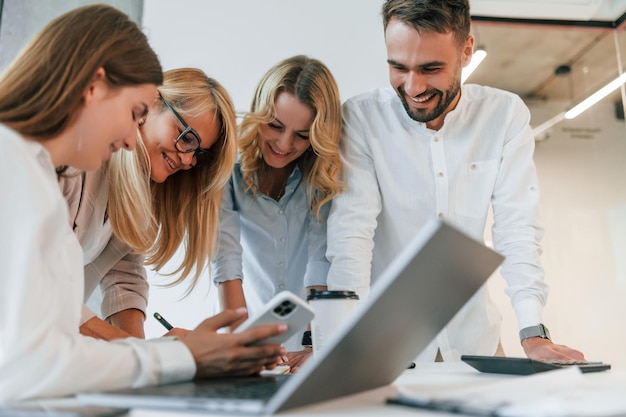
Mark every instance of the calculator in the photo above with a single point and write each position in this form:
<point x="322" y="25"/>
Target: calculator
<point x="526" y="366"/>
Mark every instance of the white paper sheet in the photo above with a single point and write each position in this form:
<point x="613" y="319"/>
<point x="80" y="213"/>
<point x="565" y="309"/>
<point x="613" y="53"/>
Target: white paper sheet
<point x="563" y="392"/>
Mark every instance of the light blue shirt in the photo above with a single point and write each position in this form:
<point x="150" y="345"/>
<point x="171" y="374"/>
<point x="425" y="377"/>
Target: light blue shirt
<point x="270" y="245"/>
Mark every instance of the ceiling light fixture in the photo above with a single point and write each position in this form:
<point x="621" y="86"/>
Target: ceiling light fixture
<point x="479" y="54"/>
<point x="595" y="97"/>
<point x="539" y="131"/>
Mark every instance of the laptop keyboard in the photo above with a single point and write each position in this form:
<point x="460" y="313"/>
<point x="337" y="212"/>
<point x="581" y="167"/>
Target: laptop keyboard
<point x="258" y="388"/>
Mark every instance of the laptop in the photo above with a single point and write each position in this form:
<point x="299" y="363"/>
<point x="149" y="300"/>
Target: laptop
<point x="410" y="302"/>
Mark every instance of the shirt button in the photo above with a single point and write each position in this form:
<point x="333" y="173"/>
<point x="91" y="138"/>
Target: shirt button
<point x="436" y="139"/>
<point x="440" y="175"/>
<point x="282" y="239"/>
<point x="281" y="286"/>
<point x="281" y="211"/>
<point x="473" y="166"/>
<point x="440" y="215"/>
<point x="281" y="264"/>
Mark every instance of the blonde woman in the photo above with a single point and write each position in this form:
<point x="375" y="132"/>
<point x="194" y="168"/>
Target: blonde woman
<point x="150" y="201"/>
<point x="73" y="97"/>
<point x="273" y="217"/>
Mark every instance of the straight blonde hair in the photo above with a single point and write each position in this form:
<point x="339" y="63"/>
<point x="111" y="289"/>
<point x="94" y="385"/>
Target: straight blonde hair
<point x="42" y="90"/>
<point x="156" y="218"/>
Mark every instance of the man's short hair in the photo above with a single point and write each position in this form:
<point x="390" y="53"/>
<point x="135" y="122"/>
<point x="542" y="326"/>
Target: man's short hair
<point x="442" y="16"/>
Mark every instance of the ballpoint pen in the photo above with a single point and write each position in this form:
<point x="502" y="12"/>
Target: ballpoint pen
<point x="163" y="321"/>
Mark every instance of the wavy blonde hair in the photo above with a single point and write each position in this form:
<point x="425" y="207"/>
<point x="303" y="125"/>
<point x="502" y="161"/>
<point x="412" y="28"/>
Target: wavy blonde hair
<point x="312" y="83"/>
<point x="155" y="218"/>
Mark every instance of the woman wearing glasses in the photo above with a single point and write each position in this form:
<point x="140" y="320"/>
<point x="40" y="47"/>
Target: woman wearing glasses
<point x="141" y="206"/>
<point x="72" y="98"/>
<point x="273" y="217"/>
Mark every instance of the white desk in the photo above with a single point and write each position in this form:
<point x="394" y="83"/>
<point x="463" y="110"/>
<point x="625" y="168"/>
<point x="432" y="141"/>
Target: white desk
<point x="603" y="391"/>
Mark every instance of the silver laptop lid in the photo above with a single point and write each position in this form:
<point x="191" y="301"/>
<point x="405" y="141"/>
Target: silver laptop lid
<point x="416" y="296"/>
<point x="409" y="304"/>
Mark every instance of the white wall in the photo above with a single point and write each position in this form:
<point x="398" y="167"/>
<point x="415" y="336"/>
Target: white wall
<point x="583" y="180"/>
<point x="21" y="20"/>
<point x="582" y="175"/>
<point x="236" y="41"/>
<point x="582" y="172"/>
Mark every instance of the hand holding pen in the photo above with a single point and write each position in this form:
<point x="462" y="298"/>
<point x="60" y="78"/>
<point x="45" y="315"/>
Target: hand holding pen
<point x="171" y="330"/>
<point x="164" y="322"/>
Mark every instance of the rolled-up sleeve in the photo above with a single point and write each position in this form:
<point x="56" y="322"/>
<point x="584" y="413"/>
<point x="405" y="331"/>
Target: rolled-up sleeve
<point x="125" y="286"/>
<point x="121" y="276"/>
<point x="517" y="230"/>
<point x="227" y="264"/>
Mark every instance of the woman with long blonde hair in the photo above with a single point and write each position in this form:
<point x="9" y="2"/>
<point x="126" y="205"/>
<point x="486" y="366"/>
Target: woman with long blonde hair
<point x="273" y="217"/>
<point x="143" y="205"/>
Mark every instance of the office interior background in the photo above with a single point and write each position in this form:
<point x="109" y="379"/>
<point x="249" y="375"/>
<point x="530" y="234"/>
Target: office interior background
<point x="553" y="53"/>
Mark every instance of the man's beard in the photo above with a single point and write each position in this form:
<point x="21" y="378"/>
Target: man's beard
<point x="444" y="100"/>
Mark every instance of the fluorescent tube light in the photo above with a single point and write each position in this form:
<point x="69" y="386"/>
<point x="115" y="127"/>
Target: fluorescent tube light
<point x="595" y="97"/>
<point x="477" y="58"/>
<point x="539" y="130"/>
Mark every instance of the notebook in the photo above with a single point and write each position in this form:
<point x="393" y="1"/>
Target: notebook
<point x="410" y="302"/>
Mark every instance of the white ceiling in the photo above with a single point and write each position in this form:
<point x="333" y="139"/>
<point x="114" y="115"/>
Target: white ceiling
<point x="550" y="9"/>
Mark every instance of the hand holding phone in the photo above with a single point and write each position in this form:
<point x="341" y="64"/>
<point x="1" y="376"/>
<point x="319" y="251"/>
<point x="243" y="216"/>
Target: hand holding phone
<point x="285" y="307"/>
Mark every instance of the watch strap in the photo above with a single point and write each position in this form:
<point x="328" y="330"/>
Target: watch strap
<point x="539" y="330"/>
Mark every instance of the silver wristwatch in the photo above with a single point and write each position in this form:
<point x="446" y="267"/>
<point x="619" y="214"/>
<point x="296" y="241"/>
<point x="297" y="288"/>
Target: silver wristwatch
<point x="539" y="330"/>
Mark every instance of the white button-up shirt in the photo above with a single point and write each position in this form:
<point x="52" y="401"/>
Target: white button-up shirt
<point x="41" y="294"/>
<point x="401" y="174"/>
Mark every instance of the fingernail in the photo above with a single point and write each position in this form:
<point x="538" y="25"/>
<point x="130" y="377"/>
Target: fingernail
<point x="282" y="327"/>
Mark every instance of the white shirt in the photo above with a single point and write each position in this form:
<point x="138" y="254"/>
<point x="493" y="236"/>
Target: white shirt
<point x="400" y="174"/>
<point x="41" y="292"/>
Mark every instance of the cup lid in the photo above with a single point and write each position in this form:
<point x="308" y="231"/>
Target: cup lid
<point x="325" y="295"/>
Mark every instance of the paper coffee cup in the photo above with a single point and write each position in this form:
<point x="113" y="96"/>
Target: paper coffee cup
<point x="331" y="308"/>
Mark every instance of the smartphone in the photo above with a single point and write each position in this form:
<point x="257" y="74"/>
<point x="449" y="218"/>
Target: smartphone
<point x="285" y="307"/>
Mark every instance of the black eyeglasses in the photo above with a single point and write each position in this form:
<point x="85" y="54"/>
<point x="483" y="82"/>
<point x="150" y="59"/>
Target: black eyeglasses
<point x="188" y="141"/>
